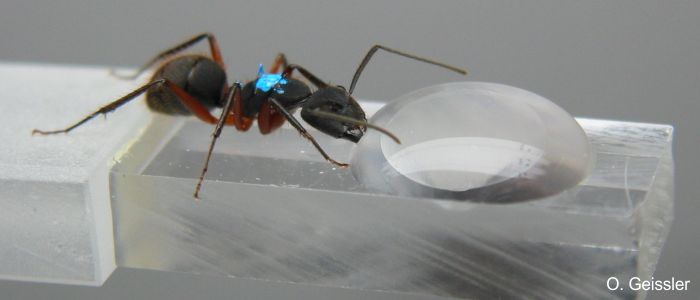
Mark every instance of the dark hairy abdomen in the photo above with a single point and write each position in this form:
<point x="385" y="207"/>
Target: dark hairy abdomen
<point x="200" y="76"/>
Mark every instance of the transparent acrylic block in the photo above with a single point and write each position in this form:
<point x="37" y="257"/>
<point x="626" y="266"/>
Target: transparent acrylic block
<point x="55" y="215"/>
<point x="272" y="209"/>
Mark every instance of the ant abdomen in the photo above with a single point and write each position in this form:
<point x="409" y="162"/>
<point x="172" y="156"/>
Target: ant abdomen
<point x="199" y="76"/>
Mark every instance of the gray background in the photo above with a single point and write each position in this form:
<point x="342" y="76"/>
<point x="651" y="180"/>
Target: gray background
<point x="628" y="60"/>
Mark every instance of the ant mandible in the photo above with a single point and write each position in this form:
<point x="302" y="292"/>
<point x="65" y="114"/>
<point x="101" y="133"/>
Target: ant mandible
<point x="195" y="85"/>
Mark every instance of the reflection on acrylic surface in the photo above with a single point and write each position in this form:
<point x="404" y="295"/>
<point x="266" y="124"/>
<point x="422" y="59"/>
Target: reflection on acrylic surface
<point x="463" y="163"/>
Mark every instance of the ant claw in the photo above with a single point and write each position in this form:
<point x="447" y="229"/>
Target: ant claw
<point x="41" y="132"/>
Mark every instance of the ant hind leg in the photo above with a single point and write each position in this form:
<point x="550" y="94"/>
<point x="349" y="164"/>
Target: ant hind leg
<point x="192" y="104"/>
<point x="105" y="109"/>
<point x="213" y="45"/>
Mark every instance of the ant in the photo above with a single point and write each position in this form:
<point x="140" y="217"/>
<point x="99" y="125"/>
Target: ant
<point x="195" y="85"/>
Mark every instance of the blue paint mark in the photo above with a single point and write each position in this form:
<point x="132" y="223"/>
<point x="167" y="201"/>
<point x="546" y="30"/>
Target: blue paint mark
<point x="268" y="81"/>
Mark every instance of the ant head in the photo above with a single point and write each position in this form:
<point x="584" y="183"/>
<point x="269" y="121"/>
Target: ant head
<point x="335" y="100"/>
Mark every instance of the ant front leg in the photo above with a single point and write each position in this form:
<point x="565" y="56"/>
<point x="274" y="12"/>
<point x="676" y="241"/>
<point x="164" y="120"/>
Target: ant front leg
<point x="213" y="45"/>
<point x="292" y="120"/>
<point x="304" y="72"/>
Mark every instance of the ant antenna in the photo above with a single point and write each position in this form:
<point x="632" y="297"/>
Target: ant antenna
<point x="325" y="114"/>
<point x="374" y="49"/>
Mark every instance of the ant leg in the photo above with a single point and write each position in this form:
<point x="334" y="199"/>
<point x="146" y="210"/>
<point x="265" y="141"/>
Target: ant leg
<point x="213" y="45"/>
<point x="270" y="119"/>
<point x="241" y="121"/>
<point x="105" y="109"/>
<point x="280" y="60"/>
<point x="265" y="118"/>
<point x="191" y="103"/>
<point x="303" y="132"/>
<point x="411" y="56"/>
<point x="194" y="106"/>
<point x="304" y="72"/>
<point x="233" y="95"/>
